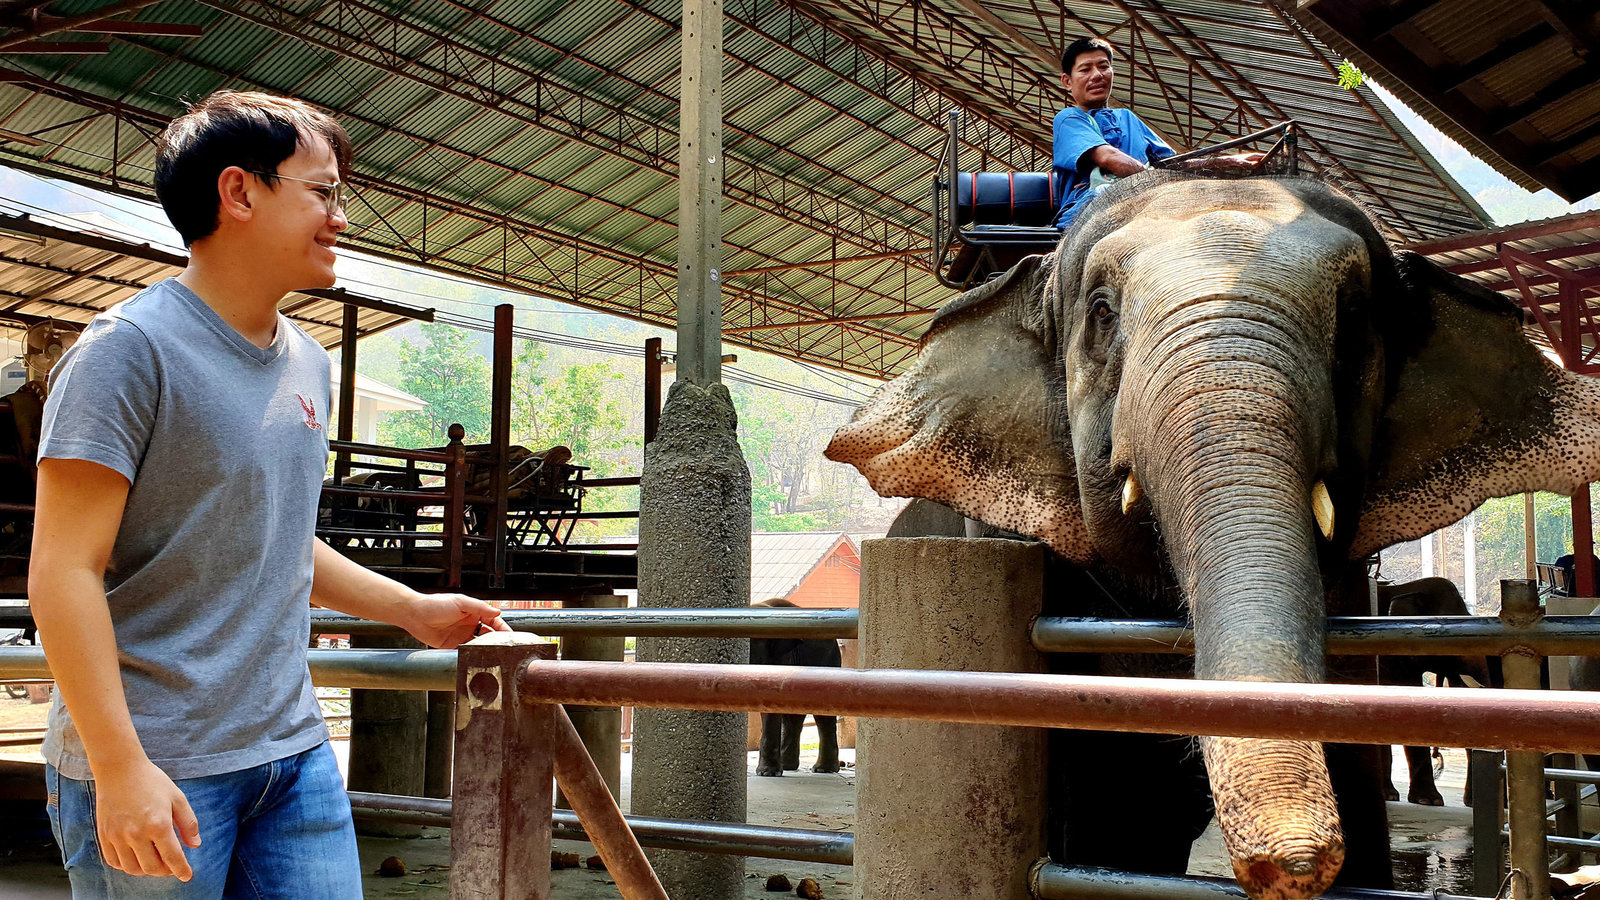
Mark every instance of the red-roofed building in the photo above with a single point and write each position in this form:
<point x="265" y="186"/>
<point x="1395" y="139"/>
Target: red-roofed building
<point x="817" y="570"/>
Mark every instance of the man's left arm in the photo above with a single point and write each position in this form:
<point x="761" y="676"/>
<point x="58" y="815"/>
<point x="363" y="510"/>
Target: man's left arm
<point x="438" y="620"/>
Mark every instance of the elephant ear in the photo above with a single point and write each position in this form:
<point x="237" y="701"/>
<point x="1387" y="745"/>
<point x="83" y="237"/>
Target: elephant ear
<point x="1475" y="411"/>
<point x="972" y="424"/>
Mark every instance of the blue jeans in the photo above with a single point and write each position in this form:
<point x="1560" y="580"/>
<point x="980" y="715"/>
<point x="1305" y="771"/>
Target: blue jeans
<point x="279" y="830"/>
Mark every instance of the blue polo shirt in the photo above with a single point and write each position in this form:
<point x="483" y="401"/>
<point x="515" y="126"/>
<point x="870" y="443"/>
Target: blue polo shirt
<point x="1077" y="131"/>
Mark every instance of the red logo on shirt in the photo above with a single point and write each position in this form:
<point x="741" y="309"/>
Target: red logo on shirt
<point x="311" y="413"/>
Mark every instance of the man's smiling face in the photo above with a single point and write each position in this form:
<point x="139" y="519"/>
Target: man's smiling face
<point x="294" y="226"/>
<point x="1089" y="82"/>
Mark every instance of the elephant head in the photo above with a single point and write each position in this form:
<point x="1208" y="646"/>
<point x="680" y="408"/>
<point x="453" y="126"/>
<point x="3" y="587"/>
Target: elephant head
<point x="1238" y="383"/>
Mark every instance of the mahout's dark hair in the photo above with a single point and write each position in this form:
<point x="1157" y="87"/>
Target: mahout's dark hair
<point x="1081" y="46"/>
<point x="253" y="131"/>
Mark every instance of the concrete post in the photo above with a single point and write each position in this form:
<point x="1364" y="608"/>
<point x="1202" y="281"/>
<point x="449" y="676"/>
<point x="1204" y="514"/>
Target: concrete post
<point x="694" y="552"/>
<point x="960" y="807"/>
<point x="388" y="740"/>
<point x="700" y="194"/>
<point x="1519" y="607"/>
<point x="600" y="727"/>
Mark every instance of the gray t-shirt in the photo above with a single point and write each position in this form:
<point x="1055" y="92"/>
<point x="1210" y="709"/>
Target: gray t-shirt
<point x="210" y="576"/>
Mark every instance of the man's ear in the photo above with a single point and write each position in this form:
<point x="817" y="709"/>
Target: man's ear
<point x="972" y="424"/>
<point x="1474" y="412"/>
<point x="233" y="193"/>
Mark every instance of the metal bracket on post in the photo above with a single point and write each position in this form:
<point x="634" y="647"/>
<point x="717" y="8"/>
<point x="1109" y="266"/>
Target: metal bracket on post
<point x="1520" y="608"/>
<point x="503" y="773"/>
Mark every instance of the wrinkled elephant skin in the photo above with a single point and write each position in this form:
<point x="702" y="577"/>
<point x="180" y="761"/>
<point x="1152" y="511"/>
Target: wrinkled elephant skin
<point x="1229" y="390"/>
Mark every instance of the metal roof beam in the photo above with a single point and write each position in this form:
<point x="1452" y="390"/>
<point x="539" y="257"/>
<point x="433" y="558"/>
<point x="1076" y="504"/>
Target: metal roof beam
<point x="70" y="23"/>
<point x="578" y="115"/>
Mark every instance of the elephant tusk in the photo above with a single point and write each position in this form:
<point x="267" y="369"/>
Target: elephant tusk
<point x="1131" y="492"/>
<point x="1322" y="506"/>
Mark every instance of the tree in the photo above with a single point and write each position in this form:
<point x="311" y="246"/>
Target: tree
<point x="447" y="372"/>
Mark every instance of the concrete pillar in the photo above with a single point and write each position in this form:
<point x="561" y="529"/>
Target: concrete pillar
<point x="600" y="727"/>
<point x="388" y="740"/>
<point x="959" y="809"/>
<point x="694" y="552"/>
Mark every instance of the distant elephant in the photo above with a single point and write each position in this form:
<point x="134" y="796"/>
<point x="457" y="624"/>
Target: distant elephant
<point x="1214" y="400"/>
<point x="1426" y="597"/>
<point x="780" y="733"/>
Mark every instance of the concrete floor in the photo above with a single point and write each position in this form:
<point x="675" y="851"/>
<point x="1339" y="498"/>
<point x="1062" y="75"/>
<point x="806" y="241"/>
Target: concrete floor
<point x="1432" y="845"/>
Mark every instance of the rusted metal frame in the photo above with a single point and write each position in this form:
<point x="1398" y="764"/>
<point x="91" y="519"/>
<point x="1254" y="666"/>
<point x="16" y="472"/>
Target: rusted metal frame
<point x="1186" y="34"/>
<point x="912" y="44"/>
<point x="1515" y="720"/>
<point x="755" y="65"/>
<point x="1495" y="237"/>
<point x="819" y="263"/>
<point x="73" y="275"/>
<point x="755" y="23"/>
<point x="1532" y="303"/>
<point x="812" y="310"/>
<point x="455" y="509"/>
<point x="1493" y="263"/>
<point x="70" y="23"/>
<point x="579" y="131"/>
<point x="449" y="263"/>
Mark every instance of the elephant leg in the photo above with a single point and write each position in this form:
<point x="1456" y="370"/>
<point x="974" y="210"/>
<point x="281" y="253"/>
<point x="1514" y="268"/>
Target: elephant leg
<point x="828" y="754"/>
<point x="793" y="726"/>
<point x="1386" y="760"/>
<point x="1423" y="791"/>
<point x="1356" y="773"/>
<point x="1106" y="790"/>
<point x="770" y="761"/>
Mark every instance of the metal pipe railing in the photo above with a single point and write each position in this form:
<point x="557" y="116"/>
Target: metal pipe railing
<point x="1441" y="636"/>
<point x="1353" y="636"/>
<point x="1359" y="714"/>
<point x="399" y="670"/>
<point x="723" y="838"/>
<point x="1050" y="881"/>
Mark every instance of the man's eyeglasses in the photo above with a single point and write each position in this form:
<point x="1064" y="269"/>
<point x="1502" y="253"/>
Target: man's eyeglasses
<point x="334" y="198"/>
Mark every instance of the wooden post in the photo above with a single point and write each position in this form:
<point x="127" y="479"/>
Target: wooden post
<point x="500" y="441"/>
<point x="652" y="388"/>
<point x="455" y="505"/>
<point x="503" y="774"/>
<point x="700" y="194"/>
<point x="1582" y="544"/>
<point x="347" y="392"/>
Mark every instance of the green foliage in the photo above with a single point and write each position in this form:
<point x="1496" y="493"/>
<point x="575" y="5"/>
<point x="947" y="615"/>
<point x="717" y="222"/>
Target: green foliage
<point x="1350" y="77"/>
<point x="446" y="371"/>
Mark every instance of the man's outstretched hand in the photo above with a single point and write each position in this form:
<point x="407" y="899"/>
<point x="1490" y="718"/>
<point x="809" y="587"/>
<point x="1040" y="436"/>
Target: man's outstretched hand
<point x="447" y="621"/>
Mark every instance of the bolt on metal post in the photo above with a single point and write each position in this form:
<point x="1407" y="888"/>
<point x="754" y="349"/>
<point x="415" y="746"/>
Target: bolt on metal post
<point x="1530" y="863"/>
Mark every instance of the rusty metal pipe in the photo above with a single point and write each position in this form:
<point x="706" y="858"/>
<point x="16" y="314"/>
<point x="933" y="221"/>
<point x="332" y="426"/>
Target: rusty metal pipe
<point x="1049" y="881"/>
<point x="767" y="623"/>
<point x="729" y="838"/>
<point x="591" y="800"/>
<point x="1364" y="636"/>
<point x="1360" y="714"/>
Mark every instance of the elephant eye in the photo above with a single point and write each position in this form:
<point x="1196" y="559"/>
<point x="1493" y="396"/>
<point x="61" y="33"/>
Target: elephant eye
<point x="1101" y="311"/>
<point x="1102" y="325"/>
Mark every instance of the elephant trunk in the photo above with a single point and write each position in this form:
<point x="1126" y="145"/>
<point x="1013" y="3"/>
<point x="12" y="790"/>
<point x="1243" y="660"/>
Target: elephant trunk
<point x="1230" y="472"/>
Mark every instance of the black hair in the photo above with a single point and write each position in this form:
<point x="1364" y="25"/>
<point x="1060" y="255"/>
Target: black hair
<point x="253" y="131"/>
<point x="1081" y="46"/>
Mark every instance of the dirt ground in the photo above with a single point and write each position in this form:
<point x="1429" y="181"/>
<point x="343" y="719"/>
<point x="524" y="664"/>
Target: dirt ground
<point x="1431" y="845"/>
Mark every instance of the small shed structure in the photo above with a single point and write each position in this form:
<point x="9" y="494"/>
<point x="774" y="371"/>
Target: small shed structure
<point x="817" y="570"/>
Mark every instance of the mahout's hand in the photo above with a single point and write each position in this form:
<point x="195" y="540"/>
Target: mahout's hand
<point x="140" y="815"/>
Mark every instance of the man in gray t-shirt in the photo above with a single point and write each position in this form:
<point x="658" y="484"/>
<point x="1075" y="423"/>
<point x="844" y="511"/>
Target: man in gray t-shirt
<point x="175" y="557"/>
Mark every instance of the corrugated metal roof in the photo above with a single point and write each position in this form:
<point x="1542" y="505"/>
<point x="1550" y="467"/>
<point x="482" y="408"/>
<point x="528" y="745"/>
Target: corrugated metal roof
<point x="534" y="142"/>
<point x="69" y="269"/>
<point x="780" y="560"/>
<point x="1514" y="82"/>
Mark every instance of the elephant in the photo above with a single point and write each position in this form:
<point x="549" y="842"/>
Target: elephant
<point x="1427" y="597"/>
<point x="1216" y="398"/>
<point x="780" y="733"/>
